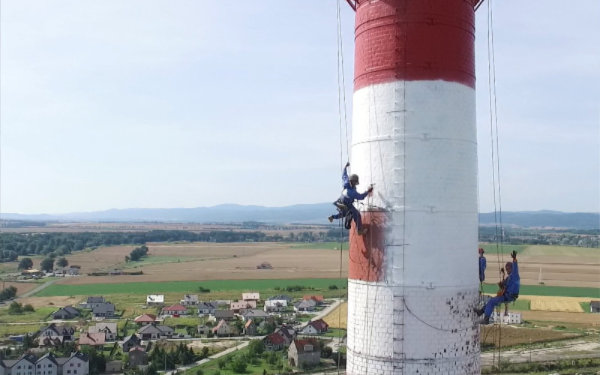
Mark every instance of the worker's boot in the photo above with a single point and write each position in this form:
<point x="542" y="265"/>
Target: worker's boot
<point x="330" y="218"/>
<point x="485" y="320"/>
<point x="479" y="312"/>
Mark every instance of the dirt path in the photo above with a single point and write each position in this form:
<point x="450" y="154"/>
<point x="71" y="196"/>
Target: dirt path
<point x="573" y="349"/>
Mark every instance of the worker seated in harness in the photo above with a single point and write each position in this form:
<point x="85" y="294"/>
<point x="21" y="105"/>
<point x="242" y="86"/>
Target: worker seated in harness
<point x="345" y="203"/>
<point x="509" y="290"/>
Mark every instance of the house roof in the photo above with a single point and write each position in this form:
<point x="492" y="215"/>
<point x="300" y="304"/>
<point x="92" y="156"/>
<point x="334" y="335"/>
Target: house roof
<point x="248" y="323"/>
<point x="156" y="298"/>
<point x="176" y="307"/>
<point x="301" y="344"/>
<point x="50" y="357"/>
<point x="221" y="324"/>
<point x="315" y="298"/>
<point x="145" y="318"/>
<point x="207" y="305"/>
<point x="97" y="338"/>
<point x="275" y="339"/>
<point x="133" y="337"/>
<point x="319" y="325"/>
<point x="251" y="296"/>
<point x="224" y="314"/>
<point x="103" y="327"/>
<point x="190" y="297"/>
<point x="305" y="303"/>
<point x="254" y="313"/>
<point x="95" y="299"/>
<point x="59" y="329"/>
<point x="104" y="308"/>
<point x="280" y="297"/>
<point x="69" y="310"/>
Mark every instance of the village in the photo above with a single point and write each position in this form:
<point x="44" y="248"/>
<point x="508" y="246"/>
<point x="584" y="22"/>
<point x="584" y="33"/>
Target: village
<point x="290" y="328"/>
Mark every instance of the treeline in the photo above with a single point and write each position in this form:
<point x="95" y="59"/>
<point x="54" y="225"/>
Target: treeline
<point x="8" y="293"/>
<point x="59" y="244"/>
<point x="525" y="236"/>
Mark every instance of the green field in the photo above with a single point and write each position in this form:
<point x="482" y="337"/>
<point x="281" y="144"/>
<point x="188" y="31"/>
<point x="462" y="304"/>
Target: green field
<point x="492" y="248"/>
<point x="190" y="287"/>
<point x="40" y="314"/>
<point x="534" y="250"/>
<point x="321" y="245"/>
<point x="543" y="290"/>
<point x="158" y="259"/>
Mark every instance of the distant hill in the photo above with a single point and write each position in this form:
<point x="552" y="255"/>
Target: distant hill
<point x="303" y="213"/>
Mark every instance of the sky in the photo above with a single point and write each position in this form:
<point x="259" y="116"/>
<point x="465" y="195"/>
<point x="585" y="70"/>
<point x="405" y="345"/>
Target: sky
<point x="164" y="104"/>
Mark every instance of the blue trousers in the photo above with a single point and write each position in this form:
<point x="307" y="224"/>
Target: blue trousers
<point x="493" y="302"/>
<point x="355" y="215"/>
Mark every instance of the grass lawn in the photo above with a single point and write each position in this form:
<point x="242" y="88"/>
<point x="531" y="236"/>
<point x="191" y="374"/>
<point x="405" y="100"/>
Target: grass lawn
<point x="543" y="290"/>
<point x="335" y="332"/>
<point x="40" y="314"/>
<point x="19" y="329"/>
<point x="137" y="288"/>
<point x="321" y="245"/>
<point x="492" y="248"/>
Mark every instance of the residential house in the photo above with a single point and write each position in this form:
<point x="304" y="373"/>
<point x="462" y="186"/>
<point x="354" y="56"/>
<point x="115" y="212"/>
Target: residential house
<point x="155" y="332"/>
<point x="67" y="312"/>
<point x="595" y="306"/>
<point x="318" y="299"/>
<point x="92" y="302"/>
<point x="304" y="353"/>
<point x="511" y="318"/>
<point x="48" y="364"/>
<point x="275" y="305"/>
<point x="145" y="319"/>
<point x="155" y="299"/>
<point x="287" y="332"/>
<point x="190" y="300"/>
<point x="224" y="328"/>
<point x="138" y="357"/>
<point x="240" y="305"/>
<point x="104" y="310"/>
<point x="281" y="297"/>
<point x="305" y="305"/>
<point x="58" y="332"/>
<point x="207" y="308"/>
<point x="250" y="328"/>
<point x="24" y="365"/>
<point x="174" y="310"/>
<point x="227" y="315"/>
<point x="109" y="330"/>
<point x="253" y="314"/>
<point x="114" y="367"/>
<point x="273" y="342"/>
<point x="76" y="364"/>
<point x="130" y="342"/>
<point x="92" y="339"/>
<point x="73" y="270"/>
<point x="315" y="327"/>
<point x="203" y="330"/>
<point x="253" y="296"/>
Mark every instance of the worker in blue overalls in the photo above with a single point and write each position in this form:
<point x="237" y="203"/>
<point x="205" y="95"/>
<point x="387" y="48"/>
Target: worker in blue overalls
<point x="482" y="265"/>
<point x="509" y="290"/>
<point x="345" y="203"/>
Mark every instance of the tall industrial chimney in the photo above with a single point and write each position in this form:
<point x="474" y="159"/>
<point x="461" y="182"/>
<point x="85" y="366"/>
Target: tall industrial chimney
<point x="413" y="277"/>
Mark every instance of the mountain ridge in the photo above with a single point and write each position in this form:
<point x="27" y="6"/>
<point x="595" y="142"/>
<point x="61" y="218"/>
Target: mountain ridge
<point x="309" y="213"/>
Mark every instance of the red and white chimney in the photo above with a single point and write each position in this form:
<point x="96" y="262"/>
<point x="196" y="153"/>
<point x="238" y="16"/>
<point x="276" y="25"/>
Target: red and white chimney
<point x="413" y="277"/>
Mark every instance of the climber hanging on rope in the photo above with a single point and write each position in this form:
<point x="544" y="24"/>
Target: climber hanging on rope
<point x="482" y="265"/>
<point x="509" y="290"/>
<point x="345" y="203"/>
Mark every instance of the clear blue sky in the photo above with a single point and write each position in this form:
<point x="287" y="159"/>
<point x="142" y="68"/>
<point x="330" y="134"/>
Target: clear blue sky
<point x="122" y="104"/>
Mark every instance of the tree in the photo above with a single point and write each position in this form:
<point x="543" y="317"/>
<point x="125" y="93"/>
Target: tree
<point x="25" y="264"/>
<point x="15" y="308"/>
<point x="47" y="264"/>
<point x="62" y="262"/>
<point x="239" y="364"/>
<point x="256" y="348"/>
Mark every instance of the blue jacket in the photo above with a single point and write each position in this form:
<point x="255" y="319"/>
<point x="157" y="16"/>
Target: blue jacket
<point x="482" y="266"/>
<point x="349" y="194"/>
<point x="513" y="281"/>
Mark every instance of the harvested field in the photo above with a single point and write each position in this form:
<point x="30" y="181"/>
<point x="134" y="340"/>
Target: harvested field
<point x="209" y="261"/>
<point x="561" y="304"/>
<point x="511" y="336"/>
<point x="334" y="320"/>
<point x="22" y="287"/>
<point x="584" y="319"/>
<point x="58" y="301"/>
